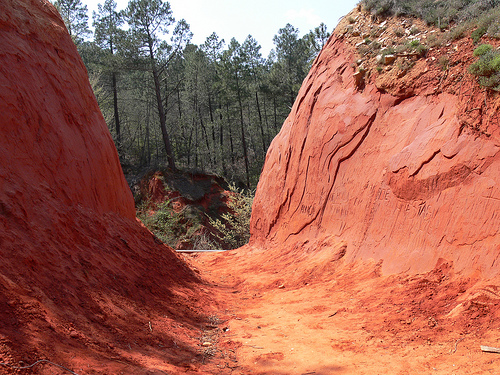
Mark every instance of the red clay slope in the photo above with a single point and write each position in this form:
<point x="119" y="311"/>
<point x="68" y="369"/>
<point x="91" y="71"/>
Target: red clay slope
<point x="82" y="283"/>
<point x="399" y="178"/>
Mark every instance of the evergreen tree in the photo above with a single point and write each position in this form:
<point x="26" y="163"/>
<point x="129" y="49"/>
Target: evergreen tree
<point x="217" y="106"/>
<point x="316" y="39"/>
<point x="107" y="23"/>
<point x="291" y="63"/>
<point x="234" y="73"/>
<point x="148" y="19"/>
<point x="75" y="17"/>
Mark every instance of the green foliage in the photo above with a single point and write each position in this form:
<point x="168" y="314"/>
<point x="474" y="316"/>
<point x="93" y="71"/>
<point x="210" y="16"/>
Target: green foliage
<point x="222" y="102"/>
<point x="75" y="17"/>
<point x="418" y="48"/>
<point x="482" y="50"/>
<point x="477" y="34"/>
<point x="399" y="32"/>
<point x="487" y="67"/>
<point x="414" y="30"/>
<point x="171" y="226"/>
<point x="316" y="39"/>
<point x="370" y="48"/>
<point x="234" y="228"/>
<point x="412" y="47"/>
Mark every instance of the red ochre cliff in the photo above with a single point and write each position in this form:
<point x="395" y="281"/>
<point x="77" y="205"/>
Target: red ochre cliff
<point x="402" y="169"/>
<point x="82" y="283"/>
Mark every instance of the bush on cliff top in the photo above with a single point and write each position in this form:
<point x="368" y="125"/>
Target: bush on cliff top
<point x="487" y="67"/>
<point x="481" y="13"/>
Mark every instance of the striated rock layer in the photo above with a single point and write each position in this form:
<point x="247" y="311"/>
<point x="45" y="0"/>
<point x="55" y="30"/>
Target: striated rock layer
<point x="397" y="178"/>
<point x="82" y="283"/>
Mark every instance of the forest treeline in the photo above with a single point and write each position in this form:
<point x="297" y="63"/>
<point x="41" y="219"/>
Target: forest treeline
<point x="213" y="107"/>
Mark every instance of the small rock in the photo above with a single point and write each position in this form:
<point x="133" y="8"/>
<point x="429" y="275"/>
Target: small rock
<point x="358" y="79"/>
<point x="206" y="344"/>
<point x="389" y="59"/>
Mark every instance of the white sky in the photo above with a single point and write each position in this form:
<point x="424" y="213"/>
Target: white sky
<point x="260" y="18"/>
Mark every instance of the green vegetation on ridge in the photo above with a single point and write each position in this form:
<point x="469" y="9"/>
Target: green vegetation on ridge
<point x="442" y="13"/>
<point x="479" y="18"/>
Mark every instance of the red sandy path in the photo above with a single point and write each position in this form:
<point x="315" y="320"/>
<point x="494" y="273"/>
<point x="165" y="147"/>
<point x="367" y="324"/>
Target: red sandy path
<point x="348" y="319"/>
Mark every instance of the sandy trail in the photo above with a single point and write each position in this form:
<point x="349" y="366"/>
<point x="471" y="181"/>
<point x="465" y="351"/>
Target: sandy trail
<point x="356" y="322"/>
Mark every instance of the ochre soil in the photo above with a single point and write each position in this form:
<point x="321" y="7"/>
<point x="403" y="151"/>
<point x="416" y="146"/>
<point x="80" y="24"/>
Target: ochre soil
<point x="283" y="315"/>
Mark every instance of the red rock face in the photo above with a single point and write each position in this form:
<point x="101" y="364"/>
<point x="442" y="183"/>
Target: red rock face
<point x="54" y="143"/>
<point x="398" y="180"/>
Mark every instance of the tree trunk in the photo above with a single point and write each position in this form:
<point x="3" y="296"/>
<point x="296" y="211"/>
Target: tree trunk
<point x="275" y="115"/>
<point x="161" y="109"/>
<point x="266" y="120"/>
<point x="230" y="135"/>
<point x="264" y="148"/>
<point x="221" y="140"/>
<point x="115" y="106"/>
<point x="243" y="138"/>
<point x="204" y="129"/>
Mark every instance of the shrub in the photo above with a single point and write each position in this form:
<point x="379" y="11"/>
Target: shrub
<point x="482" y="49"/>
<point x="487" y="67"/>
<point x="477" y="34"/>
<point x="399" y="32"/>
<point x="234" y="228"/>
<point x="387" y="51"/>
<point x="421" y="49"/>
<point x="440" y="13"/>
<point x="171" y="226"/>
<point x="416" y="47"/>
<point x="444" y="62"/>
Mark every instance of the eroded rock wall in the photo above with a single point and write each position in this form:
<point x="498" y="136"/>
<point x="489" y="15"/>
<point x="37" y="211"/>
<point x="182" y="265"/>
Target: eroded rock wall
<point x="399" y="179"/>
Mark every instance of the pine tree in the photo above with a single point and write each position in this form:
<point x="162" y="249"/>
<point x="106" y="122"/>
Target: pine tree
<point x="148" y="19"/>
<point x="107" y="23"/>
<point x="75" y="17"/>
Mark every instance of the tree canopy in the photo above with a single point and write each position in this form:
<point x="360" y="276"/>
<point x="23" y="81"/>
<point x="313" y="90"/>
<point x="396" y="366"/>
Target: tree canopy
<point x="169" y="103"/>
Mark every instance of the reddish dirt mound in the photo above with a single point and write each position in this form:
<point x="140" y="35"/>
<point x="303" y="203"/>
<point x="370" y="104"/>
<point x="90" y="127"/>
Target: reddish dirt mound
<point x="192" y="200"/>
<point x="82" y="284"/>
